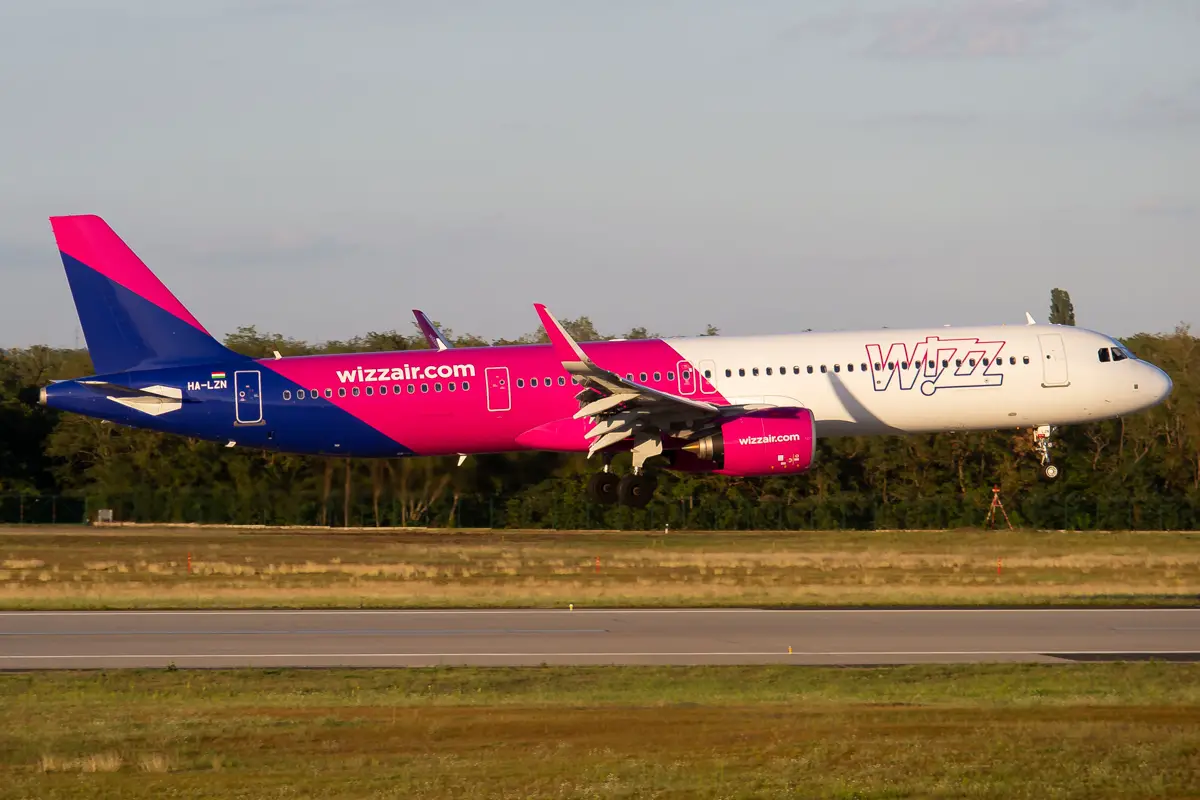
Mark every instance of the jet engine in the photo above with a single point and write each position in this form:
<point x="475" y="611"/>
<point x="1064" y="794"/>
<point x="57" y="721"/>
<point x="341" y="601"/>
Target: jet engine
<point x="775" y="441"/>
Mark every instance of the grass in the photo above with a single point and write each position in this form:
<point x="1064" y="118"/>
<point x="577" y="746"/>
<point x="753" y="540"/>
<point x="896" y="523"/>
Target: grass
<point x="1027" y="731"/>
<point x="149" y="568"/>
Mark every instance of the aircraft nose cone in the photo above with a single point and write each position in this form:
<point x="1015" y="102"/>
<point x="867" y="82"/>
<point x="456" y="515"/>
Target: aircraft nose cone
<point x="1157" y="385"/>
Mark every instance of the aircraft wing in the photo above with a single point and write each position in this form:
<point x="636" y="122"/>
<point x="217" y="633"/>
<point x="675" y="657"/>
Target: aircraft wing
<point x="621" y="407"/>
<point x="432" y="335"/>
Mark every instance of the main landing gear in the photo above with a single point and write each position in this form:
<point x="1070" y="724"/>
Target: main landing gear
<point x="630" y="490"/>
<point x="633" y="489"/>
<point x="1042" y="442"/>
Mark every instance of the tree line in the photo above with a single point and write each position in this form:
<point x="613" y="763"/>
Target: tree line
<point x="1142" y="471"/>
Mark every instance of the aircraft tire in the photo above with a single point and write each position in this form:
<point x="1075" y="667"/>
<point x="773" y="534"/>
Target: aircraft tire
<point x="602" y="488"/>
<point x="635" y="491"/>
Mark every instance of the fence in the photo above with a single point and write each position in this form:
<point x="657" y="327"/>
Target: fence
<point x="569" y="511"/>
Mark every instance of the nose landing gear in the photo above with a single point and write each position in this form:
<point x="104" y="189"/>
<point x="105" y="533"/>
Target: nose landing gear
<point x="1042" y="442"/>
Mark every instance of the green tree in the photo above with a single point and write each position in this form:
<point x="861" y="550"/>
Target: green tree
<point x="1062" y="311"/>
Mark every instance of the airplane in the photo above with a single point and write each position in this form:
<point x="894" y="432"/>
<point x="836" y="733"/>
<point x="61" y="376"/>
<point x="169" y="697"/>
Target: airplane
<point x="739" y="406"/>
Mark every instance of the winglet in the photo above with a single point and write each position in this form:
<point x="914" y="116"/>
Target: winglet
<point x="432" y="335"/>
<point x="573" y="359"/>
<point x="1029" y="320"/>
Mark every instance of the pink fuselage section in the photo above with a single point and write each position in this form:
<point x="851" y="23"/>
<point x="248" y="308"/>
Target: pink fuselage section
<point x="518" y="398"/>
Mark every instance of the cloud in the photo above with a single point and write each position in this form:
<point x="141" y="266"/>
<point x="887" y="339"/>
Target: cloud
<point x="960" y="29"/>
<point x="1167" y="208"/>
<point x="925" y="120"/>
<point x="280" y="248"/>
<point x="16" y="254"/>
<point x="1178" y="109"/>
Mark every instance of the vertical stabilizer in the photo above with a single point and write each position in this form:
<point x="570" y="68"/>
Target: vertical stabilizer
<point x="129" y="318"/>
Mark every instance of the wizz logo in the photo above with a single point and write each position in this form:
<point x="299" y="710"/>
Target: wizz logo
<point x="936" y="363"/>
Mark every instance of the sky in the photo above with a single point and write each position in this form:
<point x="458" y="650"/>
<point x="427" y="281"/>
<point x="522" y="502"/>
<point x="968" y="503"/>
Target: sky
<point x="318" y="169"/>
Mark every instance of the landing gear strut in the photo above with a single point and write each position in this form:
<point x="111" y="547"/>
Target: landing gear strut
<point x="1042" y="443"/>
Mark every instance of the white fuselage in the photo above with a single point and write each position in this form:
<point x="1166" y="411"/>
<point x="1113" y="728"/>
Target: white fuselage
<point x="927" y="380"/>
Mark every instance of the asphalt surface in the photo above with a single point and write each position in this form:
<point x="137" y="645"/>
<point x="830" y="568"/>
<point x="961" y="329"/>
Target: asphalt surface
<point x="109" y="639"/>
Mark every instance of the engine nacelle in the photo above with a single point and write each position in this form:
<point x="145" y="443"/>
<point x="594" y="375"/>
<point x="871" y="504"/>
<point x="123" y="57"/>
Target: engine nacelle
<point x="774" y="441"/>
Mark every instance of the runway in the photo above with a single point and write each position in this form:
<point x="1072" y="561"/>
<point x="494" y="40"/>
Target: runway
<point x="113" y="639"/>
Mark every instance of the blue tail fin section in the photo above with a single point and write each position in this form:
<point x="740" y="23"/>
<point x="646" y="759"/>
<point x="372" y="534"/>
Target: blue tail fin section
<point x="129" y="318"/>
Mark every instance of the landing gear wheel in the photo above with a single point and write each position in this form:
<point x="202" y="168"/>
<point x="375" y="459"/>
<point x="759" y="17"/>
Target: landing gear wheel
<point x="602" y="488"/>
<point x="1042" y="442"/>
<point x="635" y="491"/>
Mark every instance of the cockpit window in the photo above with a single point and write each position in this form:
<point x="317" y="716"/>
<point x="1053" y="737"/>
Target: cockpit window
<point x="1118" y="354"/>
<point x="1103" y="354"/>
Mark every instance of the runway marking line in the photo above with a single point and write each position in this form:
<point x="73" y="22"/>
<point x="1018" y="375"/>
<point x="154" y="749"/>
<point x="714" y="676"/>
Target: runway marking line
<point x="849" y="653"/>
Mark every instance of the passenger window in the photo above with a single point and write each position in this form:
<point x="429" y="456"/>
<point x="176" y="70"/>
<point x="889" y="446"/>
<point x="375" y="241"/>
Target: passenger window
<point x="891" y="365"/>
<point x="466" y="385"/>
<point x="1012" y="359"/>
<point x="412" y="387"/>
<point x="823" y="370"/>
<point x="755" y="371"/>
<point x="547" y="382"/>
<point x="1024" y="359"/>
<point x="341" y="391"/>
<point x="370" y="391"/>
<point x="670" y="376"/>
<point x="451" y="386"/>
<point x="795" y="370"/>
<point x="354" y="391"/>
<point x="985" y="362"/>
<point x="562" y="381"/>
<point x="424" y="388"/>
<point x="707" y="373"/>
<point x="437" y="387"/>
<point x="329" y="393"/>
<point x="863" y="366"/>
<point x="287" y="395"/>
<point x="849" y="368"/>
<point x="658" y="376"/>
<point x="728" y="373"/>
<point x="837" y="367"/>
<point x="768" y="370"/>
<point x="300" y="394"/>
<point x="741" y="372"/>
<point x="520" y="383"/>
<point x="958" y="362"/>
<point x="877" y="366"/>
<point x="903" y="365"/>
<point x="810" y="369"/>
<point x="628" y="376"/>
<point x="383" y="389"/>
<point x="932" y="363"/>
<point x="642" y="377"/>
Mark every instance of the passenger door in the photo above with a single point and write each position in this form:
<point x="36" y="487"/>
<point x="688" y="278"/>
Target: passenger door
<point x="247" y="387"/>
<point x="1054" y="360"/>
<point x="499" y="390"/>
